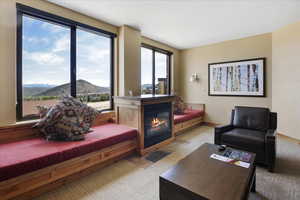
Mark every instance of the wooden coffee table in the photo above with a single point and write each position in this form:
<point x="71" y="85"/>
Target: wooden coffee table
<point x="198" y="176"/>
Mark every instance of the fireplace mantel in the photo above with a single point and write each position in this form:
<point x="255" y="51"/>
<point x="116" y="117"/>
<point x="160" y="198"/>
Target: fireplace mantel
<point x="130" y="111"/>
<point x="145" y="99"/>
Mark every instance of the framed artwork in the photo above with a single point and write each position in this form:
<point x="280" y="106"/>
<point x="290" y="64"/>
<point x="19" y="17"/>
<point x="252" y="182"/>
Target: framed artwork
<point x="237" y="78"/>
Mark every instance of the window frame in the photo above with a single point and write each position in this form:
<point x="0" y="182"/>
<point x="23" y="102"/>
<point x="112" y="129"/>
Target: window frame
<point x="73" y="25"/>
<point x="168" y="54"/>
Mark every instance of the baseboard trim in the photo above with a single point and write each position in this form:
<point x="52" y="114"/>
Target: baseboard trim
<point x="289" y="138"/>
<point x="210" y="124"/>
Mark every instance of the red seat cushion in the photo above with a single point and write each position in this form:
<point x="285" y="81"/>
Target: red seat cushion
<point x="25" y="156"/>
<point x="188" y="115"/>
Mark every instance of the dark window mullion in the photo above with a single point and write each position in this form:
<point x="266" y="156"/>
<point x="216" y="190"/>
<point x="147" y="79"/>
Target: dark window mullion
<point x="153" y="71"/>
<point x="73" y="61"/>
<point x="60" y="20"/>
<point x="169" y="73"/>
<point x="19" y="65"/>
<point x="112" y="51"/>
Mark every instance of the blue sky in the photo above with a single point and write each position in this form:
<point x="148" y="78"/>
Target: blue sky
<point x="46" y="56"/>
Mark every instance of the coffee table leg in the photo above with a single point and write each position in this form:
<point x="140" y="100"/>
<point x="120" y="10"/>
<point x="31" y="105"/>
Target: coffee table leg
<point x="253" y="187"/>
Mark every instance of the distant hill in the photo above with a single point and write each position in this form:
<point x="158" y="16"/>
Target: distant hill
<point x="83" y="87"/>
<point x="146" y="86"/>
<point x="33" y="89"/>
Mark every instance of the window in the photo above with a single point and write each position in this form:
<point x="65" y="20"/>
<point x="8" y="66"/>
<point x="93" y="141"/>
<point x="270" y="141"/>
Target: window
<point x="46" y="64"/>
<point x="155" y="70"/>
<point x="93" y="68"/>
<point x="161" y="73"/>
<point x="57" y="57"/>
<point x="146" y="70"/>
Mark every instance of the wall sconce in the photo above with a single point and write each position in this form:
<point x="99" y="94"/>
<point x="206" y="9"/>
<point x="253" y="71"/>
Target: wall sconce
<point x="194" y="78"/>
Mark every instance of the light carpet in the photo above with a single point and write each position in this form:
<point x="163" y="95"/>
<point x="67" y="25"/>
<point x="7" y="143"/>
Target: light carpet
<point x="135" y="178"/>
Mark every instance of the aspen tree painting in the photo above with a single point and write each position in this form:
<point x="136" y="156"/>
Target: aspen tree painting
<point x="237" y="78"/>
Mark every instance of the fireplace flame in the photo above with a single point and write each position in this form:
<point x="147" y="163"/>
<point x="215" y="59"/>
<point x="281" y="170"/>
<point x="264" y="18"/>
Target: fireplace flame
<point x="156" y="122"/>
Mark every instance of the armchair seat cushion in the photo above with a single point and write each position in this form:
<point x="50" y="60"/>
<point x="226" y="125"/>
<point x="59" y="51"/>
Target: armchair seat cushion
<point x="248" y="139"/>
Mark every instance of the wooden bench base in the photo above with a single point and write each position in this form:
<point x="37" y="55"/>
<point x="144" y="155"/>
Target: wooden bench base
<point x="34" y="183"/>
<point x="188" y="124"/>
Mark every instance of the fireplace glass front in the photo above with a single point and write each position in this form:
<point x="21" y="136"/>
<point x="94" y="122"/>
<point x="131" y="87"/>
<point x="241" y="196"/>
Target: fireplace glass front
<point x="157" y="123"/>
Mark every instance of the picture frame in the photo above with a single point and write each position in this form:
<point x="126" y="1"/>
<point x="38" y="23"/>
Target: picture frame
<point x="241" y="78"/>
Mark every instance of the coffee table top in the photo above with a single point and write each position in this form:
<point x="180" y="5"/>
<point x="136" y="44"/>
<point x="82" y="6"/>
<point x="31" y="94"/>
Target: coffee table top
<point x="210" y="178"/>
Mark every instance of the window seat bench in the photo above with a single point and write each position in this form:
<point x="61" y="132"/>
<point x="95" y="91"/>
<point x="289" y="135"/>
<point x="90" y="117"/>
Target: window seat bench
<point x="192" y="116"/>
<point x="30" y="165"/>
<point x="34" y="165"/>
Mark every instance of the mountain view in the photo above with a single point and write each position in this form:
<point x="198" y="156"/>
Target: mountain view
<point x="46" y="49"/>
<point x="83" y="87"/>
<point x="34" y="89"/>
<point x="48" y="95"/>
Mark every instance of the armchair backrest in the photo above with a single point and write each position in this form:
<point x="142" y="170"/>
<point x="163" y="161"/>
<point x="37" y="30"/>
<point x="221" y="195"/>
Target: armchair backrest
<point x="253" y="118"/>
<point x="273" y="120"/>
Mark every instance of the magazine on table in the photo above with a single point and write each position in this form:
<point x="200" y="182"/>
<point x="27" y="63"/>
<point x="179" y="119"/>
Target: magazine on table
<point x="230" y="160"/>
<point x="237" y="155"/>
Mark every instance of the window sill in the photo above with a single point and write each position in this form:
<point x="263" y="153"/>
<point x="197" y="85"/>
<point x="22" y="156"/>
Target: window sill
<point x="33" y="121"/>
<point x="25" y="122"/>
<point x="20" y="124"/>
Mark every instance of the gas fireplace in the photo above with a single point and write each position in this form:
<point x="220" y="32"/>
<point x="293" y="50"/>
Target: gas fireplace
<point x="151" y="115"/>
<point x="157" y="123"/>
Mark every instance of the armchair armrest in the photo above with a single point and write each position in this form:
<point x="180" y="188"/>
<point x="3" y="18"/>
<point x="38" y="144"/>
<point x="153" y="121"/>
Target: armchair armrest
<point x="271" y="133"/>
<point x="270" y="141"/>
<point x="222" y="129"/>
<point x="219" y="130"/>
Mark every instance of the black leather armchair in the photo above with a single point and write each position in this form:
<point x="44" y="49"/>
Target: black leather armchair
<point x="251" y="129"/>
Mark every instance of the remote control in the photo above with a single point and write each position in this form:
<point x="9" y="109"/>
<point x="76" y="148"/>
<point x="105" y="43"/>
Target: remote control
<point x="221" y="147"/>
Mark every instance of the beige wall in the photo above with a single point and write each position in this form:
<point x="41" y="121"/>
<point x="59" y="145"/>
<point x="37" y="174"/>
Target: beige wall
<point x="286" y="79"/>
<point x="8" y="49"/>
<point x="196" y="60"/>
<point x="129" y="61"/>
<point x="7" y="62"/>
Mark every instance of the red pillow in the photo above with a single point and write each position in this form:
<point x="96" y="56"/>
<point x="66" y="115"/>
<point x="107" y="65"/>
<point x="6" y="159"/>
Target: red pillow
<point x="179" y="106"/>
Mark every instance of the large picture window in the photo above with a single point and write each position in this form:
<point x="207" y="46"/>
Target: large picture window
<point x="155" y="70"/>
<point x="57" y="57"/>
<point x="93" y="83"/>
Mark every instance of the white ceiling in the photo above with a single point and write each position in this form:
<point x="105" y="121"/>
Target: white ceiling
<point x="190" y="23"/>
